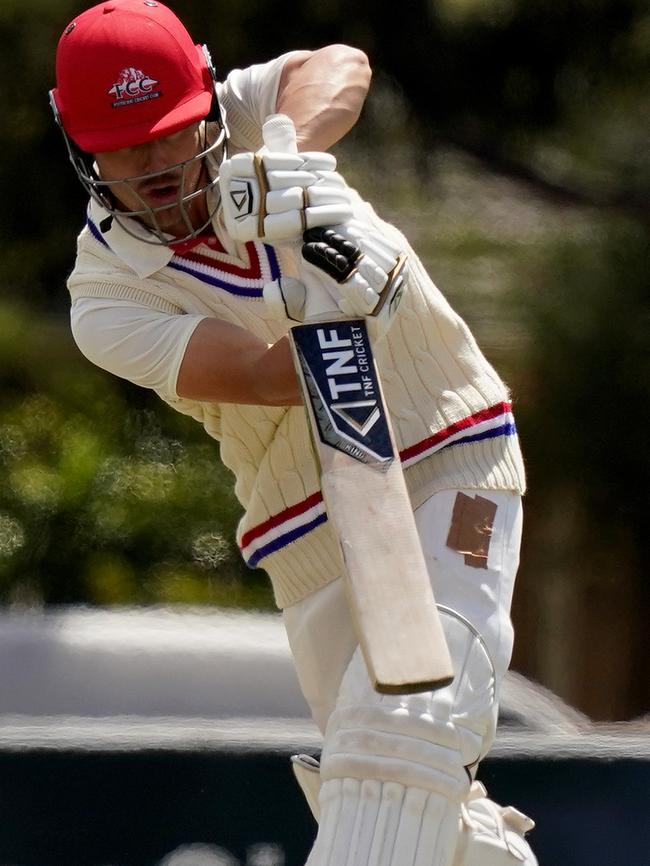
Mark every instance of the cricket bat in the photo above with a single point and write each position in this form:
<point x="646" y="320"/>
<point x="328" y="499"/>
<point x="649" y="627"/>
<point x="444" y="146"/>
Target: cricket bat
<point x="366" y="499"/>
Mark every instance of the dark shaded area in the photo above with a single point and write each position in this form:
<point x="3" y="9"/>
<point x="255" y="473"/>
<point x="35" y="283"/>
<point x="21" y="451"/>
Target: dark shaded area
<point x="133" y="809"/>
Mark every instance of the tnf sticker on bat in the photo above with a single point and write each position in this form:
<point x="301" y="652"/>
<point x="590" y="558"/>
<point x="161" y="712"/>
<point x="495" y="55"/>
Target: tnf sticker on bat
<point x="339" y="369"/>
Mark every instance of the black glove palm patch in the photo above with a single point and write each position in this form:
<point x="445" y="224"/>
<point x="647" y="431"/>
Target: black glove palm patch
<point x="329" y="251"/>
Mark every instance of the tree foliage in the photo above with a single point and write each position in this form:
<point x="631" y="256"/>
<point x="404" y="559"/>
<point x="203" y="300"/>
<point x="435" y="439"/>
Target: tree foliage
<point x="105" y="499"/>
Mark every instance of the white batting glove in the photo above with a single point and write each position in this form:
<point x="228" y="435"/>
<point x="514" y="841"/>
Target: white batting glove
<point x="285" y="299"/>
<point x="272" y="196"/>
<point x="363" y="270"/>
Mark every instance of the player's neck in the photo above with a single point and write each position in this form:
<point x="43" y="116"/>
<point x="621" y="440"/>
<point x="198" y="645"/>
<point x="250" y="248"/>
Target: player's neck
<point x="205" y="238"/>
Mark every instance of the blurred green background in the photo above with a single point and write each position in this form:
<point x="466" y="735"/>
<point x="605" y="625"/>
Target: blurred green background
<point x="509" y="139"/>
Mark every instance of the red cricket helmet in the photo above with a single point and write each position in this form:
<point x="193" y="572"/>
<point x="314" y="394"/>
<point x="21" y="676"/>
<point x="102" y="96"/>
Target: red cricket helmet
<point x="128" y="72"/>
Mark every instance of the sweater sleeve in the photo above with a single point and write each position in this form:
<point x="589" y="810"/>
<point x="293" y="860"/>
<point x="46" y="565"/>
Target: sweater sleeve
<point x="248" y="96"/>
<point x="132" y="341"/>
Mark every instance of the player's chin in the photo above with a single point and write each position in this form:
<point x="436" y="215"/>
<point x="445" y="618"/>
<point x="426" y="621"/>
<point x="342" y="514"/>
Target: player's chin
<point x="166" y="217"/>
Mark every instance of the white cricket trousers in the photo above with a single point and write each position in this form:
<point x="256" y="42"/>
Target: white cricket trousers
<point x="320" y="630"/>
<point x="420" y="750"/>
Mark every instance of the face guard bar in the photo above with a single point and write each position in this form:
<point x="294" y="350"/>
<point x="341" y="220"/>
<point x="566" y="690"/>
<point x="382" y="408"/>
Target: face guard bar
<point x="212" y="151"/>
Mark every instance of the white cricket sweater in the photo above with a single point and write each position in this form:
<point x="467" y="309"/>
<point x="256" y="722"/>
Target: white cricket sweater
<point x="450" y="411"/>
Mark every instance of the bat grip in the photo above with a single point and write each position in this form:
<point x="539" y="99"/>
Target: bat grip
<point x="279" y="135"/>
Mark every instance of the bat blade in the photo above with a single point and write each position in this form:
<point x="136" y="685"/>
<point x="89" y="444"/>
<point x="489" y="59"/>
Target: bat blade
<point x="387" y="581"/>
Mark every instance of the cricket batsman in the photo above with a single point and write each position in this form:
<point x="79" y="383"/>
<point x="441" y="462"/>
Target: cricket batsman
<point x="190" y="270"/>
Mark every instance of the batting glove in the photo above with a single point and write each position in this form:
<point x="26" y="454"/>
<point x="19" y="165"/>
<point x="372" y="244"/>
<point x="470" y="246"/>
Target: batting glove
<point x="271" y="196"/>
<point x="285" y="299"/>
<point x="364" y="271"/>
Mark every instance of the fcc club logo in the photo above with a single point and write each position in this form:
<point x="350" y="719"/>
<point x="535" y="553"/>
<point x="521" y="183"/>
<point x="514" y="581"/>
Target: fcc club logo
<point x="133" y="86"/>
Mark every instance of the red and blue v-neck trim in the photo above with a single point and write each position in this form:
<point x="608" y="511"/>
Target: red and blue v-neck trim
<point x="237" y="278"/>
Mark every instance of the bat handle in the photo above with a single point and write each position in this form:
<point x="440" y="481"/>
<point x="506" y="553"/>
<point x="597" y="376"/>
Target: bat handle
<point x="279" y="135"/>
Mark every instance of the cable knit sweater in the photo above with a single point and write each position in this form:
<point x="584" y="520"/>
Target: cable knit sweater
<point x="450" y="410"/>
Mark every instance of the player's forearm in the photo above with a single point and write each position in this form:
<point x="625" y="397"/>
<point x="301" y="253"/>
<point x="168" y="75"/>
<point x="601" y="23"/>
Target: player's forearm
<point x="224" y="363"/>
<point x="323" y="93"/>
<point x="274" y="375"/>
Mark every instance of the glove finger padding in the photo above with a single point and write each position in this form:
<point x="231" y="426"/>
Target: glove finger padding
<point x="374" y="275"/>
<point x="275" y="196"/>
<point x="316" y="161"/>
<point x="279" y="179"/>
<point x="322" y="193"/>
<point x="357" y="297"/>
